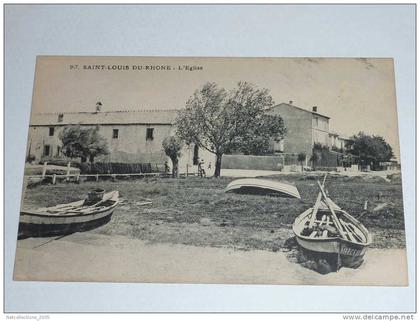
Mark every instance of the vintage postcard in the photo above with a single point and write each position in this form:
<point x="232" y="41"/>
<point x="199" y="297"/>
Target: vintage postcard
<point x="213" y="170"/>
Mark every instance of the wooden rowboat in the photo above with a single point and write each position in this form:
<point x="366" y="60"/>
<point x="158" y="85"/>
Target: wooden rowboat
<point x="262" y="186"/>
<point x="326" y="229"/>
<point x="67" y="218"/>
<point x="351" y="252"/>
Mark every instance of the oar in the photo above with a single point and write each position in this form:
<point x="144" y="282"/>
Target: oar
<point x="317" y="204"/>
<point x="334" y="216"/>
<point x="356" y="232"/>
<point x="349" y="234"/>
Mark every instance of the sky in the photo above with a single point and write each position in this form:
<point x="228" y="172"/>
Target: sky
<point x="358" y="94"/>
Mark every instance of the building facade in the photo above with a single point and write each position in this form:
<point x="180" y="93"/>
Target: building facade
<point x="132" y="136"/>
<point x="304" y="129"/>
<point x="338" y="142"/>
<point x="136" y="136"/>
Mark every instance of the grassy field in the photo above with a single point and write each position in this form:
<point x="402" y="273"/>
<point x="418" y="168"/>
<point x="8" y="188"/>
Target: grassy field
<point x="197" y="211"/>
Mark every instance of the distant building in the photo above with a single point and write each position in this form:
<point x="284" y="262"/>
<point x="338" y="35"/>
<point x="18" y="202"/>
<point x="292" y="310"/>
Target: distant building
<point x="132" y="136"/>
<point x="391" y="165"/>
<point x="304" y="129"/>
<point x="136" y="136"/>
<point x="338" y="141"/>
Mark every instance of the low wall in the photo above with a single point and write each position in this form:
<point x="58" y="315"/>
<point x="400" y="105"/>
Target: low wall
<point x="283" y="162"/>
<point x="273" y="163"/>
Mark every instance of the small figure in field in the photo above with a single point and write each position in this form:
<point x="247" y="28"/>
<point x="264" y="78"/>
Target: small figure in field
<point x="209" y="167"/>
<point x="166" y="167"/>
<point x="202" y="168"/>
<point x="201" y="171"/>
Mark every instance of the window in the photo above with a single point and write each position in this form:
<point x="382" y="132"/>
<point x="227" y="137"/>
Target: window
<point x="149" y="133"/>
<point x="51" y="131"/>
<point x="115" y="133"/>
<point x="60" y="118"/>
<point x="46" y="150"/>
<point x="58" y="151"/>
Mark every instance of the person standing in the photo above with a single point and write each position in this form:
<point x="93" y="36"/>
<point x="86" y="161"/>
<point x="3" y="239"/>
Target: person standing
<point x="200" y="168"/>
<point x="203" y="171"/>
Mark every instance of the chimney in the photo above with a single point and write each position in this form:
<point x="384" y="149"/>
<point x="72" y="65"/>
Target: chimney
<point x="98" y="106"/>
<point x="315" y="109"/>
<point x="290" y="102"/>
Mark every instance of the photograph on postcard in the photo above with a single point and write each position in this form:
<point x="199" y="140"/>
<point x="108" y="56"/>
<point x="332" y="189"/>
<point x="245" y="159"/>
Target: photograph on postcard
<point x="213" y="170"/>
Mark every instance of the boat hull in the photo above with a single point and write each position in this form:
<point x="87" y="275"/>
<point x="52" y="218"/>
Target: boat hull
<point x="262" y="187"/>
<point x="55" y="229"/>
<point x="349" y="254"/>
<point x="39" y="224"/>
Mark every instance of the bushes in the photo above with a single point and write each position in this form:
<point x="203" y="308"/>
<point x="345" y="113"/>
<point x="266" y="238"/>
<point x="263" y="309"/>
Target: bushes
<point x="111" y="168"/>
<point x="323" y="157"/>
<point x="116" y="168"/>
<point x="326" y="168"/>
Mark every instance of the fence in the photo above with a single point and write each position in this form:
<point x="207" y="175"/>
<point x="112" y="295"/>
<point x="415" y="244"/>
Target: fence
<point x="119" y="168"/>
<point x="68" y="176"/>
<point x="77" y="177"/>
<point x="111" y="167"/>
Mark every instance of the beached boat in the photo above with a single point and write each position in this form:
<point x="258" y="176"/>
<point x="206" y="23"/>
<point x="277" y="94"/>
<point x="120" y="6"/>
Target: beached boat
<point x="262" y="186"/>
<point x="63" y="219"/>
<point x="326" y="229"/>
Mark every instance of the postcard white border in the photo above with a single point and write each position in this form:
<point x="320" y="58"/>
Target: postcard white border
<point x="278" y="31"/>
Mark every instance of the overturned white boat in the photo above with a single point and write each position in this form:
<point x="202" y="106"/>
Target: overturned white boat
<point x="262" y="187"/>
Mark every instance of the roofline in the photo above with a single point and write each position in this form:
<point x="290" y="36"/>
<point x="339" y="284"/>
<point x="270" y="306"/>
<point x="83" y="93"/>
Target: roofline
<point x="308" y="111"/>
<point x="318" y="114"/>
<point x="109" y="111"/>
<point x="96" y="124"/>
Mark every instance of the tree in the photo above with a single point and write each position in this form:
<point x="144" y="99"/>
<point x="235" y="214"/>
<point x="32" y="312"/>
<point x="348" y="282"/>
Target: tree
<point x="220" y="121"/>
<point x="315" y="158"/>
<point x="85" y="143"/>
<point x="301" y="158"/>
<point x="371" y="150"/>
<point x="172" y="146"/>
<point x="256" y="138"/>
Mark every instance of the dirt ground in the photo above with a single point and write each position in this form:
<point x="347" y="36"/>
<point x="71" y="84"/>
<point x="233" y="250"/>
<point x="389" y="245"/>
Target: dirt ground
<point x="195" y="232"/>
<point x="197" y="211"/>
<point x="95" y="257"/>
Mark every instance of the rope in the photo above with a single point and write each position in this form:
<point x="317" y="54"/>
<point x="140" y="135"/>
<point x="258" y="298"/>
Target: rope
<point x="53" y="239"/>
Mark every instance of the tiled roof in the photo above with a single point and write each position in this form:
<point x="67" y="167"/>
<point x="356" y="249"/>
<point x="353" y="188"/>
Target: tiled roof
<point x="106" y="118"/>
